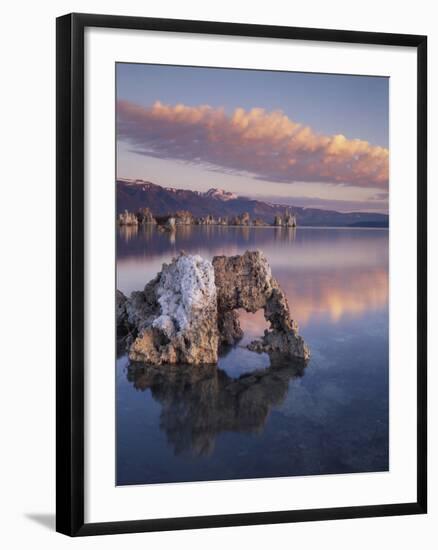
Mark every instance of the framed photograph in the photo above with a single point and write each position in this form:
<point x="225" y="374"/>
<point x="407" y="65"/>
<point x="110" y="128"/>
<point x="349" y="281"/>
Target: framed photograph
<point x="241" y="274"/>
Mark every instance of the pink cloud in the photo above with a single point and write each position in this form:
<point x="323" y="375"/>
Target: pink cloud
<point x="268" y="145"/>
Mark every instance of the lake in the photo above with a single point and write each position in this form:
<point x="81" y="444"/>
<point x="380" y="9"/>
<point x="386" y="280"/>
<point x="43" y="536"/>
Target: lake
<point x="245" y="419"/>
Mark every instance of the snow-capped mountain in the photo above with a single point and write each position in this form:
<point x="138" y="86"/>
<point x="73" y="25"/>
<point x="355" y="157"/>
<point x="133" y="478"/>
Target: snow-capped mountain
<point x="220" y="194"/>
<point x="135" y="194"/>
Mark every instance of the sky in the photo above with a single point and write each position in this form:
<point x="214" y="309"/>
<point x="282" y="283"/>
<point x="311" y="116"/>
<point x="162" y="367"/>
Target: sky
<point x="312" y="140"/>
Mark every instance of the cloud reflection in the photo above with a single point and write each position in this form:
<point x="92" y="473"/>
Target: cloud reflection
<point x="326" y="274"/>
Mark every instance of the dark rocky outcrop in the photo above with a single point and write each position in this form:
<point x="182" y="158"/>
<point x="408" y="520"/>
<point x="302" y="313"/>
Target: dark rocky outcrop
<point x="145" y="217"/>
<point x="184" y="217"/>
<point x="169" y="225"/>
<point x="287" y="220"/>
<point x="174" y="319"/>
<point x="127" y="218"/>
<point x="246" y="282"/>
<point x="190" y="309"/>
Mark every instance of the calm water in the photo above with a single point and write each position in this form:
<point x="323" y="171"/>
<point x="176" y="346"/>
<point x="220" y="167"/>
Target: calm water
<point x="245" y="418"/>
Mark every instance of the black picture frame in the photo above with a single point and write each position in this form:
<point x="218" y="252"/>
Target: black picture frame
<point x="70" y="273"/>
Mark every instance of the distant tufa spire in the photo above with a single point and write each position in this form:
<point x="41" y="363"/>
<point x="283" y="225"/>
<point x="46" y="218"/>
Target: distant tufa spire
<point x="288" y="220"/>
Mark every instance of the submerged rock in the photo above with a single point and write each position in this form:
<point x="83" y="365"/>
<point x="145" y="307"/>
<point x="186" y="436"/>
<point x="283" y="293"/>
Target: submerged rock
<point x="190" y="308"/>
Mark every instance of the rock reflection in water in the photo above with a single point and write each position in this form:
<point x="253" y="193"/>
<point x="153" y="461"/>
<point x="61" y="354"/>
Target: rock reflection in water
<point x="127" y="232"/>
<point x="198" y="403"/>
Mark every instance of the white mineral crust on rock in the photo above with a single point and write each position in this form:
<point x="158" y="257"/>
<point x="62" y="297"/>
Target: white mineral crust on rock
<point x="185" y="290"/>
<point x="186" y="329"/>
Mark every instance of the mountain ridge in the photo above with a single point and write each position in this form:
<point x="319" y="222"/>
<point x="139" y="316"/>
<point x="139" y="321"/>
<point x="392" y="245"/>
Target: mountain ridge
<point x="135" y="194"/>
